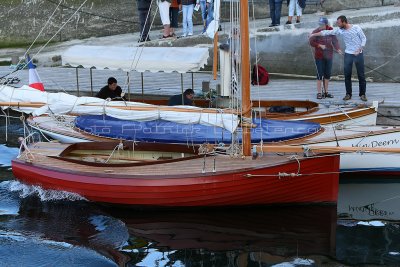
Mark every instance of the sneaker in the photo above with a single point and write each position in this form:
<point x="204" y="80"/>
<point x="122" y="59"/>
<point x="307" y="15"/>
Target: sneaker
<point x="288" y="22"/>
<point x="190" y="34"/>
<point x="347" y="97"/>
<point x="328" y="95"/>
<point x="363" y="98"/>
<point x="319" y="96"/>
<point x="271" y="25"/>
<point x="297" y="21"/>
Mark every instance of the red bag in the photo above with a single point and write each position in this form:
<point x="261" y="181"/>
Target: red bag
<point x="262" y="73"/>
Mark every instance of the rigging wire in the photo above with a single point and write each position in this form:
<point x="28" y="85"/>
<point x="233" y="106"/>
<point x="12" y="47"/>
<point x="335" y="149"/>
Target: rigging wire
<point x="95" y="15"/>
<point x="43" y="46"/>
<point x="62" y="26"/>
<point x="34" y="41"/>
<point x="138" y="51"/>
<point x="257" y="77"/>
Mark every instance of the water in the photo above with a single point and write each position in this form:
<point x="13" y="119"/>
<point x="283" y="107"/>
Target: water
<point x="48" y="228"/>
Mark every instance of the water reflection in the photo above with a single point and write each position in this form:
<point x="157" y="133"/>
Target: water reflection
<point x="368" y="243"/>
<point x="6" y="155"/>
<point x="61" y="233"/>
<point x="175" y="238"/>
<point x="370" y="200"/>
<point x="220" y="237"/>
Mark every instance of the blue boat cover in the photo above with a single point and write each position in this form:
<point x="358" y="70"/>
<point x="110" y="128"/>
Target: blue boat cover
<point x="171" y="132"/>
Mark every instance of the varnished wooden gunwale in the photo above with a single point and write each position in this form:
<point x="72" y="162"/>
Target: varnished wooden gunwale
<point x="225" y="164"/>
<point x="327" y="118"/>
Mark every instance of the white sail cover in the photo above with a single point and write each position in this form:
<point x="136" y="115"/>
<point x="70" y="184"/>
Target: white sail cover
<point x="141" y="59"/>
<point x="62" y="103"/>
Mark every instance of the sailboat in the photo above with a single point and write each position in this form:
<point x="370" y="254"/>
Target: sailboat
<point x="168" y="175"/>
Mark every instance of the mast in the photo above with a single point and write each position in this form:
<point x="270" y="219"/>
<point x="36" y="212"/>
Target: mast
<point x="245" y="70"/>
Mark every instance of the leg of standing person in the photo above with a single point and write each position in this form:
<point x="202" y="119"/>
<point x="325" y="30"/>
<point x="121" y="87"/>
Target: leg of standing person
<point x="184" y="20"/>
<point x="272" y="12"/>
<point x="299" y="12"/>
<point x="190" y="19"/>
<point x="173" y="14"/>
<point x="203" y="7"/>
<point x="292" y="4"/>
<point x="318" y="64"/>
<point x="359" y="62"/>
<point x="278" y="9"/>
<point x="348" y="68"/>
<point x="327" y="76"/>
<point x="210" y="12"/>
<point x="163" y="7"/>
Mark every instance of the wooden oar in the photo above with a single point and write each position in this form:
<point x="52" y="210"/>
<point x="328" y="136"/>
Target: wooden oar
<point x="323" y="149"/>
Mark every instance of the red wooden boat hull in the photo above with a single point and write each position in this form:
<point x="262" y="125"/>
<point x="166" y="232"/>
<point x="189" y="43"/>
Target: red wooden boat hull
<point x="210" y="189"/>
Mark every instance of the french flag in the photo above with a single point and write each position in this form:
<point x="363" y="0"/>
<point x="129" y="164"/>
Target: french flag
<point x="34" y="79"/>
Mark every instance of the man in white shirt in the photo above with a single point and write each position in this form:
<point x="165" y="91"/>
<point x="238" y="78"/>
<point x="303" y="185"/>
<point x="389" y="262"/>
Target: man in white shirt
<point x="354" y="40"/>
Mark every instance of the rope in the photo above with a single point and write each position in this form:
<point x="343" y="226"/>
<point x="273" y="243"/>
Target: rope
<point x="380" y="73"/>
<point x="24" y="147"/>
<point x="118" y="147"/>
<point x="298" y="163"/>
<point x="140" y="50"/>
<point x="62" y="26"/>
<point x="313" y="58"/>
<point x="257" y="77"/>
<point x="29" y="48"/>
<point x="6" y="117"/>
<point x="145" y="22"/>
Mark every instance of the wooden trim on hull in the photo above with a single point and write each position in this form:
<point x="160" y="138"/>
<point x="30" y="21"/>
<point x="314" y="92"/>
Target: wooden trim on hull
<point x="210" y="189"/>
<point x="330" y="118"/>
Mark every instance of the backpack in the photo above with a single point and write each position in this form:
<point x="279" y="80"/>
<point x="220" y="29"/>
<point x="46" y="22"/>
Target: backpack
<point x="302" y="3"/>
<point x="263" y="76"/>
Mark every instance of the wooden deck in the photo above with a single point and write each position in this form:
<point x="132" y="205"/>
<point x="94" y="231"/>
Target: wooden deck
<point x="64" y="79"/>
<point x="222" y="163"/>
<point x="167" y="84"/>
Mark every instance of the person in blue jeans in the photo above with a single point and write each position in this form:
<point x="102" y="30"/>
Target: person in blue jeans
<point x="210" y="12"/>
<point x="275" y="7"/>
<point x="358" y="60"/>
<point x="323" y="54"/>
<point x="354" y="40"/>
<point x="187" y="17"/>
<point x="203" y="7"/>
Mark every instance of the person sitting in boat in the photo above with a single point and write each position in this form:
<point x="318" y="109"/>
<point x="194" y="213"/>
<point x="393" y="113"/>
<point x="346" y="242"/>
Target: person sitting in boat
<point x="111" y="91"/>
<point x="185" y="99"/>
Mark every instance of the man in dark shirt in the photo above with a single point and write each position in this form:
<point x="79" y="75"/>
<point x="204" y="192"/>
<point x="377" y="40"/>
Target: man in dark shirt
<point x="187" y="98"/>
<point x="111" y="90"/>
